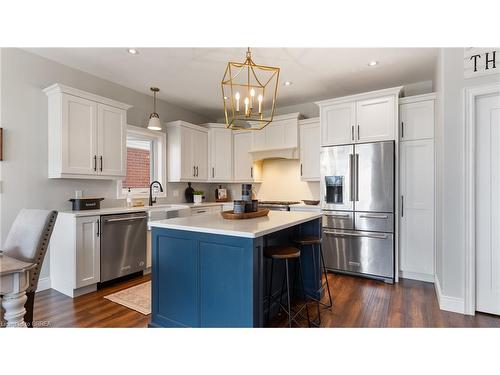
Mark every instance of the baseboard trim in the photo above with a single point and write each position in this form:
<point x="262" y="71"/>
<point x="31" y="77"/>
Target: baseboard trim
<point x="447" y="303"/>
<point x="43" y="284"/>
<point x="417" y="276"/>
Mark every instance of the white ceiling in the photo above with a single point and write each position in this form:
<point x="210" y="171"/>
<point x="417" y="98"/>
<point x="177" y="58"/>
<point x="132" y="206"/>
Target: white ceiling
<point x="190" y="77"/>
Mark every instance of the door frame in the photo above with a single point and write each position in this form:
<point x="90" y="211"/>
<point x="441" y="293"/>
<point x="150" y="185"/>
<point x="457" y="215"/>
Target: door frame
<point x="471" y="95"/>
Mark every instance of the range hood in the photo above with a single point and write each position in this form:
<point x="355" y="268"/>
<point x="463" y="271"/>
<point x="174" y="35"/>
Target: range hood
<point x="278" y="140"/>
<point x="279" y="153"/>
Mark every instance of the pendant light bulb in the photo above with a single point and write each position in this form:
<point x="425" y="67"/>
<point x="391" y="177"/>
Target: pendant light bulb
<point x="154" y="119"/>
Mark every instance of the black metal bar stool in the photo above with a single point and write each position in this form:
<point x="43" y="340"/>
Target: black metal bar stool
<point x="312" y="241"/>
<point x="286" y="253"/>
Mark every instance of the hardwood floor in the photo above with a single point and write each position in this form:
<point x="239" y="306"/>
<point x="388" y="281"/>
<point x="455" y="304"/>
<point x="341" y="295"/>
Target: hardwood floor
<point x="357" y="303"/>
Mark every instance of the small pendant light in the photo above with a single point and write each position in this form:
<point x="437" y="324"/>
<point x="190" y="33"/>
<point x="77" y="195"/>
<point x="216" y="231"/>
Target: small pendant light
<point x="154" y="120"/>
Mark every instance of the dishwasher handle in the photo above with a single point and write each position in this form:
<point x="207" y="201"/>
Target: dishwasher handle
<point x="125" y="219"/>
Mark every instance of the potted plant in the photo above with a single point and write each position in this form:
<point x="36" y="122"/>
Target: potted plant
<point x="197" y="196"/>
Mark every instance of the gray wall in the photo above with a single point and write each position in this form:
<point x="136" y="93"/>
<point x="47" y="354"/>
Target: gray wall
<point x="24" y="119"/>
<point x="450" y="144"/>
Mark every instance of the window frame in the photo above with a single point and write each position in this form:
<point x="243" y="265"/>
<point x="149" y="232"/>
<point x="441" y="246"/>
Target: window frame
<point x="159" y="161"/>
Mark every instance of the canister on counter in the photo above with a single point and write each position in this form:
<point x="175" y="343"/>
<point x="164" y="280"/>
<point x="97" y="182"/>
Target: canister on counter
<point x="239" y="206"/>
<point x="246" y="192"/>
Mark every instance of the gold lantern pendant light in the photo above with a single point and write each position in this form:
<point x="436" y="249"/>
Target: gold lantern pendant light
<point x="249" y="93"/>
<point x="154" y="119"/>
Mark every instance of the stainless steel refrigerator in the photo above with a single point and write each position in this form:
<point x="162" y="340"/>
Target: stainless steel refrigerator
<point x="357" y="199"/>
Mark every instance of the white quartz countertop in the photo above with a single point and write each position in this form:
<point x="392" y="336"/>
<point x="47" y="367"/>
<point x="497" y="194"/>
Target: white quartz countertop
<point x="251" y="228"/>
<point x="125" y="210"/>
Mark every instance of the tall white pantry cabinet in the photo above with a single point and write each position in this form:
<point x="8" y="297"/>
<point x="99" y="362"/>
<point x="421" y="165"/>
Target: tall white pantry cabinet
<point x="417" y="188"/>
<point x="86" y="135"/>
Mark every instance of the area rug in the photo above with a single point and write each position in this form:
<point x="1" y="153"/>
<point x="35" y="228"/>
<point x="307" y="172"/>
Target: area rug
<point x="137" y="298"/>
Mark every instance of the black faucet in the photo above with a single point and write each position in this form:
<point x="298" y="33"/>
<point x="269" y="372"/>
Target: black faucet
<point x="151" y="200"/>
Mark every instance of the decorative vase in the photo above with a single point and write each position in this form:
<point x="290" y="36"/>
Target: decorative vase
<point x="197" y="198"/>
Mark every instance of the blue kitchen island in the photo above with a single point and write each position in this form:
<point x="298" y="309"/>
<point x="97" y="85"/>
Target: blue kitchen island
<point x="210" y="272"/>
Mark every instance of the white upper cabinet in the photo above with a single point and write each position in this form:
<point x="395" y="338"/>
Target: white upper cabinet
<point x="200" y="154"/>
<point x="416" y="116"/>
<point x="220" y="151"/>
<point x="111" y="140"/>
<point x="367" y="117"/>
<point x="280" y="134"/>
<point x="376" y="119"/>
<point x="338" y="121"/>
<point x="87" y="135"/>
<point x="78" y="147"/>
<point x="309" y="149"/>
<point x="187" y="152"/>
<point x="244" y="169"/>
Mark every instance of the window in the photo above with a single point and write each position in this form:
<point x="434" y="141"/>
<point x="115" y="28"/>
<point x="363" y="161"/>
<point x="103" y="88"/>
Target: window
<point x="140" y="163"/>
<point x="145" y="162"/>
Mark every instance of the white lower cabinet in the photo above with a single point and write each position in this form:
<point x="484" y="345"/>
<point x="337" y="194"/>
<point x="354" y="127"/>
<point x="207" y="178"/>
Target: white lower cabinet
<point x="417" y="210"/>
<point x="195" y="211"/>
<point x="75" y="254"/>
<point x="88" y="251"/>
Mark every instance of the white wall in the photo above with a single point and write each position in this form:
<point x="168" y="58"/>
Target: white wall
<point x="438" y="139"/>
<point x="24" y="118"/>
<point x="450" y="145"/>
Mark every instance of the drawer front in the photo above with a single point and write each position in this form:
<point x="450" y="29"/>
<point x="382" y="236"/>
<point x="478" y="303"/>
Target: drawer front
<point x="377" y="222"/>
<point x="205" y="210"/>
<point x="338" y="220"/>
<point x="360" y="252"/>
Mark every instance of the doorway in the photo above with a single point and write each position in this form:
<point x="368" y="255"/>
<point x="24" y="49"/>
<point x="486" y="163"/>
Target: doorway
<point x="483" y="200"/>
<point x="488" y="204"/>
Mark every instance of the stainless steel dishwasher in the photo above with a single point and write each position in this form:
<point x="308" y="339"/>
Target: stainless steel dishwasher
<point x="123" y="244"/>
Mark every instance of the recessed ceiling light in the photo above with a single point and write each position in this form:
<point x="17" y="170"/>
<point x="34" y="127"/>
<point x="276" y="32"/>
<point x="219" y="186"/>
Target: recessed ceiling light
<point x="133" y="51"/>
<point x="288" y="83"/>
<point x="373" y="63"/>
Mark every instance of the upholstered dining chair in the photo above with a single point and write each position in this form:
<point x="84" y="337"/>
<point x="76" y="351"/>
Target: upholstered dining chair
<point x="28" y="240"/>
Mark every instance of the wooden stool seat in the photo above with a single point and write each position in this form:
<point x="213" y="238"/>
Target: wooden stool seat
<point x="281" y="252"/>
<point x="307" y="240"/>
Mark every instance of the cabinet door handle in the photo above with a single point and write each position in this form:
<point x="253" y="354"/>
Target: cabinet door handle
<point x="101" y="162"/>
<point x="402" y="205"/>
<point x="194" y="171"/>
<point x="251" y="172"/>
<point x="98" y="227"/>
<point x="402" y="129"/>
<point x="213" y="172"/>
<point x="358" y="132"/>
<point x="300" y="169"/>
<point x="95" y="163"/>
<point x="352" y="132"/>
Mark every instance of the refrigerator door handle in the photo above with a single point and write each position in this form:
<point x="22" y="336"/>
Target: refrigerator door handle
<point x="351" y="171"/>
<point x="356" y="167"/>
